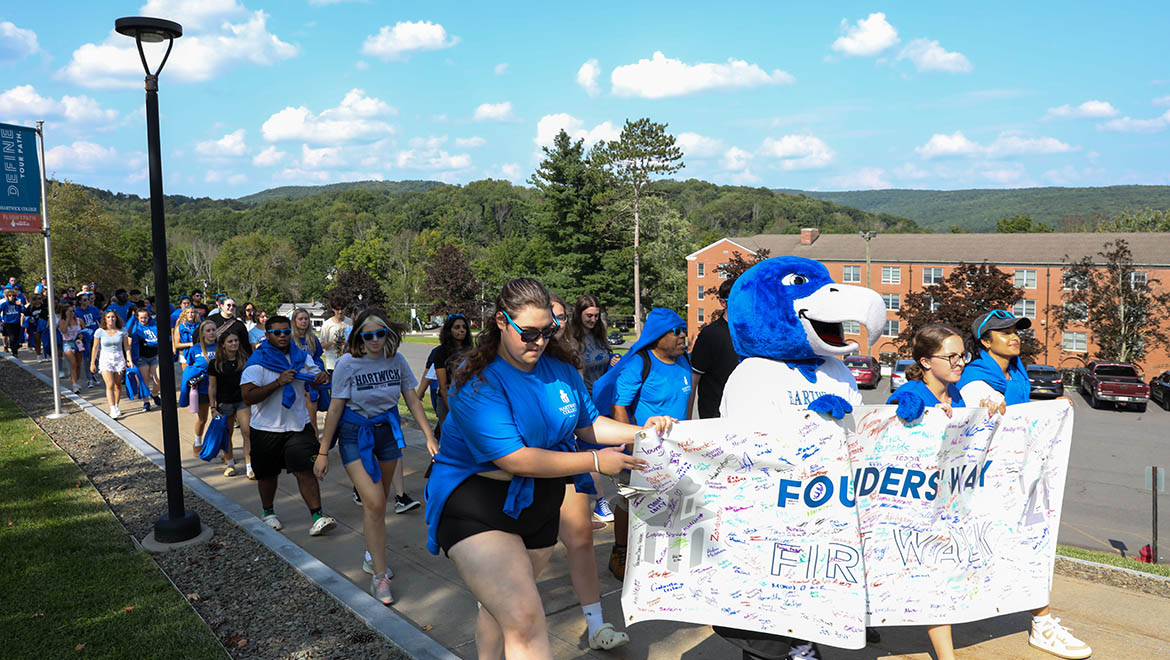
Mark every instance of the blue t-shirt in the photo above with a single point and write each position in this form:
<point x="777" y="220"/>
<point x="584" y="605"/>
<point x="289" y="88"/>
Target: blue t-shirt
<point x="123" y="309"/>
<point x="498" y="412"/>
<point x="256" y="334"/>
<point x="147" y="335"/>
<point x="923" y="392"/>
<point x="667" y="389"/>
<point x="195" y="355"/>
<point x="90" y="317"/>
<point x="11" y="311"/>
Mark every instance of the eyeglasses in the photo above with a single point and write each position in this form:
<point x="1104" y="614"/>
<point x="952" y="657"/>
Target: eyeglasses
<point x="530" y="335"/>
<point x="996" y="314"/>
<point x="954" y="359"/>
<point x="370" y="336"/>
<point x="678" y="332"/>
<point x="280" y="332"/>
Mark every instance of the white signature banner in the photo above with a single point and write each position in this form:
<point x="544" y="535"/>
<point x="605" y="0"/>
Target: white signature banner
<point x="812" y="528"/>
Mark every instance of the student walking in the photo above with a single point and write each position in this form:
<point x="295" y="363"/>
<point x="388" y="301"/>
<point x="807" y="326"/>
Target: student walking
<point x="334" y="332"/>
<point x="198" y="359"/>
<point x="256" y="333"/>
<point x="184" y="334"/>
<point x="586" y="334"/>
<point x="282" y="437"/>
<point x="90" y="317"/>
<point x="12" y="315"/>
<point x="367" y="381"/>
<point x="223" y="389"/>
<point x="70" y="328"/>
<point x="305" y="339"/>
<point x="145" y="337"/>
<point x="111" y="358"/>
<point x="713" y="358"/>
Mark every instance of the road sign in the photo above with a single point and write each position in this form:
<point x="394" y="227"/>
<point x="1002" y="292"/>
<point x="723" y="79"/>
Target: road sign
<point x="20" y="178"/>
<point x="1150" y="479"/>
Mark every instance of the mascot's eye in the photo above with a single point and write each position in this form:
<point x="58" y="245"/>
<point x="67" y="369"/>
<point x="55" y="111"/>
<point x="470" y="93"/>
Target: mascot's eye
<point x="793" y="279"/>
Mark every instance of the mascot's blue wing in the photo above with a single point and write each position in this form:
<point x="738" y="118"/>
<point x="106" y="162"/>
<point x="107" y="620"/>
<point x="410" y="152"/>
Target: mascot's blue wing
<point x="910" y="405"/>
<point x="831" y="405"/>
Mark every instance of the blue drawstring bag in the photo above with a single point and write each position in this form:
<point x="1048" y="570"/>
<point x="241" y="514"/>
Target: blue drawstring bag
<point x="214" y="438"/>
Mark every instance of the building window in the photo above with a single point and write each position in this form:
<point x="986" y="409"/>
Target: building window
<point x="931" y="276"/>
<point x="723" y="271"/>
<point x="701" y="295"/>
<point x="702" y="269"/>
<point x="1137" y="279"/>
<point x="930" y="303"/>
<point x="1075" y="341"/>
<point x="700" y="315"/>
<point x="1024" y="308"/>
<point x="1076" y="312"/>
<point x="893" y="301"/>
<point x="892" y="329"/>
<point x="1025" y="279"/>
<point x="851" y="327"/>
<point x="851" y="275"/>
<point x="891" y="275"/>
<point x="1072" y="282"/>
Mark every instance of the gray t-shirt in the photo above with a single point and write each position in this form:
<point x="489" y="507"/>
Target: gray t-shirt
<point x="111" y="343"/>
<point x="372" y="385"/>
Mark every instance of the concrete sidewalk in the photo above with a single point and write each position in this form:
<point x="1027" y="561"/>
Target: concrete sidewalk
<point x="1118" y="623"/>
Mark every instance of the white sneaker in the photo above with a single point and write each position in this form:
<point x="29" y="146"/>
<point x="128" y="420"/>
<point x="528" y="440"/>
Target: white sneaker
<point x="368" y="566"/>
<point x="76" y="388"/>
<point x="115" y="413"/>
<point x="607" y="638"/>
<point x="323" y="524"/>
<point x="380" y="588"/>
<point x="273" y="521"/>
<point x="1049" y="636"/>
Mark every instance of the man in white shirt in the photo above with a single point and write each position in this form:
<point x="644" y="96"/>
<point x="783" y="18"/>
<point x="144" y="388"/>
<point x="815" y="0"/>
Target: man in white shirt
<point x="282" y="437"/>
<point x="334" y="332"/>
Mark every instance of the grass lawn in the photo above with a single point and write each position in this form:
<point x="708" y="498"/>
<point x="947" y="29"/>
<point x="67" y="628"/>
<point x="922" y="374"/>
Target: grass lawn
<point x="72" y="584"/>
<point x="420" y="339"/>
<point x="1112" y="560"/>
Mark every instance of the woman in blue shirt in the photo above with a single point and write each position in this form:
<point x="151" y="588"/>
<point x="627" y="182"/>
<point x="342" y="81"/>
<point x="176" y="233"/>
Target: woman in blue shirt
<point x="145" y="336"/>
<point x="493" y="499"/>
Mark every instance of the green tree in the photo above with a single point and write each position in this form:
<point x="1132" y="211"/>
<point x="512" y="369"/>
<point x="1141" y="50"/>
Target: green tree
<point x="451" y="285"/>
<point x="738" y="263"/>
<point x="644" y="150"/>
<point x="1126" y="311"/>
<point x="1140" y="220"/>
<point x="371" y="255"/>
<point x="82" y="245"/>
<point x="1021" y="224"/>
<point x="666" y="246"/>
<point x="359" y="288"/>
<point x="257" y="267"/>
<point x="10" y="265"/>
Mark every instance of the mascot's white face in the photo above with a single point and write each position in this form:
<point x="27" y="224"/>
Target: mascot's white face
<point x="824" y="312"/>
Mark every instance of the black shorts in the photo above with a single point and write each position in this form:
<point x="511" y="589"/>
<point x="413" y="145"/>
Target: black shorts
<point x="477" y="505"/>
<point x="292" y="451"/>
<point x="12" y="331"/>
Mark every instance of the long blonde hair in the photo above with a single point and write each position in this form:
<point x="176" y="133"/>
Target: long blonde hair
<point x="308" y="341"/>
<point x="199" y="338"/>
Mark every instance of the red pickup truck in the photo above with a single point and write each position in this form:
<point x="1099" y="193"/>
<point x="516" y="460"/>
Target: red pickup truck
<point x="1115" y="382"/>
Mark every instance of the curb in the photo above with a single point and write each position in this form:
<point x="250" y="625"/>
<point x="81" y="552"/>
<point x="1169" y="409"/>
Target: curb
<point x="383" y="620"/>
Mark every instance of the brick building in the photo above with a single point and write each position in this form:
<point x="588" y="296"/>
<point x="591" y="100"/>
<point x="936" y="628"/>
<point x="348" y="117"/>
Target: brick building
<point x="903" y="263"/>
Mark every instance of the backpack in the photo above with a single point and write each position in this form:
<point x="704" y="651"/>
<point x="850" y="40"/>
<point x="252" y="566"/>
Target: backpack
<point x="605" y="388"/>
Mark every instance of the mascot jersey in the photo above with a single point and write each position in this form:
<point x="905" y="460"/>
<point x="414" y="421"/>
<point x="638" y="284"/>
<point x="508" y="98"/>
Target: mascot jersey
<point x="760" y="387"/>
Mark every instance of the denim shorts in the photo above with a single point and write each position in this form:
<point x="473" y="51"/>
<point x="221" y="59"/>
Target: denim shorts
<point x="70" y="346"/>
<point x="148" y="361"/>
<point x="229" y="409"/>
<point x="385" y="446"/>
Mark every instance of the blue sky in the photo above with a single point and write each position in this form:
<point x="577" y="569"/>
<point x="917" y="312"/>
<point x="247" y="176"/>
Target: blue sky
<point x="778" y="94"/>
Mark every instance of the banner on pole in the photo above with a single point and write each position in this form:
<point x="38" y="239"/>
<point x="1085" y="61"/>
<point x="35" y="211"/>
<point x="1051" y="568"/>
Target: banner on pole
<point x="20" y="202"/>
<point x="814" y="528"/>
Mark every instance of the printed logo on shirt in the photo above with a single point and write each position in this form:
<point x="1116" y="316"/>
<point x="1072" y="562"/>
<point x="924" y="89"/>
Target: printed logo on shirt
<point x="570" y="407"/>
<point x="804" y="397"/>
<point x="686" y="384"/>
<point x="564" y="396"/>
<point x="383" y="378"/>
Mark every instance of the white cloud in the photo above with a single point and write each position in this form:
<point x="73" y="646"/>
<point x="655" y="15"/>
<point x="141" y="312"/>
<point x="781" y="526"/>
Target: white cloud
<point x="494" y="112"/>
<point x="511" y="170"/>
<point x="662" y="77"/>
<point x="297" y="174"/>
<point x="23" y="103"/>
<point x="16" y="43"/>
<point x="220" y="176"/>
<point x="394" y="43"/>
<point x="431" y="159"/>
<point x="268" y="157"/>
<point x="354" y="119"/>
<point x="1005" y="173"/>
<point x="927" y="55"/>
<point x="1129" y="125"/>
<point x="1086" y="110"/>
<point x="231" y="144"/>
<point x="798" y="152"/>
<point x="500" y="69"/>
<point x="743" y="178"/>
<point x="197" y="56"/>
<point x="81" y="156"/>
<point x="1162" y="100"/>
<point x="470" y="143"/>
<point x="193" y="15"/>
<point x="910" y="171"/>
<point x="323" y="158"/>
<point x="1007" y="144"/>
<point x="587" y="77"/>
<point x="869" y="36"/>
<point x="735" y="159"/>
<point x="867" y="178"/>
<point x="431" y="142"/>
<point x="698" y="146"/>
<point x="361" y="65"/>
<point x="955" y="144"/>
<point x="549" y="125"/>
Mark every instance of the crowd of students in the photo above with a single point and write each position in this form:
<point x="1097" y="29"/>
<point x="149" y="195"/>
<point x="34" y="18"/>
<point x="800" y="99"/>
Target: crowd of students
<point x="533" y="417"/>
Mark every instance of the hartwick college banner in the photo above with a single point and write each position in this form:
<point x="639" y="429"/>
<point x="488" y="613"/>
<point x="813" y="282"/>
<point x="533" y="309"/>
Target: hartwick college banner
<point x="20" y="202"/>
<point x="815" y="528"/>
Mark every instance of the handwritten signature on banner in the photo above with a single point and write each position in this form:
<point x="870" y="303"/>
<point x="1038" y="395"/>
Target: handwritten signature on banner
<point x="805" y="531"/>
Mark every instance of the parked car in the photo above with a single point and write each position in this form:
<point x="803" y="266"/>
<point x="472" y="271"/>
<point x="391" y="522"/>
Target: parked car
<point x="1115" y="382"/>
<point x="615" y="338"/>
<point x="1045" y="380"/>
<point x="866" y="370"/>
<point x="898" y="376"/>
<point x="1160" y="390"/>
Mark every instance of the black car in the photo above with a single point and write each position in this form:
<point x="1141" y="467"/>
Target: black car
<point x="615" y="338"/>
<point x="1045" y="380"/>
<point x="1160" y="390"/>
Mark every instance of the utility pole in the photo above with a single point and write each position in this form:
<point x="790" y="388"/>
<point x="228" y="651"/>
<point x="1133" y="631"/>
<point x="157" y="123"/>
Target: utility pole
<point x="868" y="236"/>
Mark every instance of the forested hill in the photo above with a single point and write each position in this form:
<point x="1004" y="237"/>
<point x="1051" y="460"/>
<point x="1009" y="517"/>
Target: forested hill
<point x="1064" y="209"/>
<point x="298" y="192"/>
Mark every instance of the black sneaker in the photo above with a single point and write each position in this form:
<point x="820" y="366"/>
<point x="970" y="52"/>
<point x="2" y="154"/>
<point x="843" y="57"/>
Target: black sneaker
<point x="357" y="499"/>
<point x="404" y="503"/>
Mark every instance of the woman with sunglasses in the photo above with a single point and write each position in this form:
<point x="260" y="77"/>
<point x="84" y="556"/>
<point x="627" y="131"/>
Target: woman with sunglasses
<point x="363" y="413"/>
<point x="184" y="334"/>
<point x="70" y="328"/>
<point x="998" y="376"/>
<point x="111" y="357"/>
<point x="494" y="496"/>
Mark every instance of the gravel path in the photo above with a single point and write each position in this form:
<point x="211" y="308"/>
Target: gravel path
<point x="256" y="604"/>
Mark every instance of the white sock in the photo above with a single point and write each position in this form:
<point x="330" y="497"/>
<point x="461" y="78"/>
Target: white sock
<point x="248" y="467"/>
<point x="593" y="617"/>
<point x="231" y="462"/>
<point x="368" y="556"/>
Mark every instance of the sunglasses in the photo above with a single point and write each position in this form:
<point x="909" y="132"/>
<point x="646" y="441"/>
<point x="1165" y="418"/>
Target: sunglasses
<point x="377" y="334"/>
<point x="994" y="314"/>
<point x="530" y="335"/>
<point x="678" y="332"/>
<point x="280" y="332"/>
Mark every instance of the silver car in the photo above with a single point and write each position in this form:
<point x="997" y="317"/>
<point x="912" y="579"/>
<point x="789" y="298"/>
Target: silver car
<point x="898" y="375"/>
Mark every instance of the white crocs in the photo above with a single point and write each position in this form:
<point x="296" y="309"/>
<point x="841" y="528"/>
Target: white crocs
<point x="607" y="638"/>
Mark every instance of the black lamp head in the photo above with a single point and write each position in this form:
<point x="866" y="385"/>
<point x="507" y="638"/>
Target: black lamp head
<point x="149" y="30"/>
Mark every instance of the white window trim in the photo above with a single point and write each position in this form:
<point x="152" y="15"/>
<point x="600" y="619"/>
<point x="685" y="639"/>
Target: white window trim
<point x="702" y="269"/>
<point x="845" y="278"/>
<point x="1025" y="271"/>
<point x="701" y="293"/>
<point x="931" y="270"/>
<point x="886" y="328"/>
<point x="1074" y="350"/>
<point x="894" y="273"/>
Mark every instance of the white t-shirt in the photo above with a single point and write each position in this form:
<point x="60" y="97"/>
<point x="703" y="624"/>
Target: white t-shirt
<point x="975" y="392"/>
<point x="336" y="332"/>
<point x="762" y="388"/>
<point x="270" y="414"/>
<point x="372" y="385"/>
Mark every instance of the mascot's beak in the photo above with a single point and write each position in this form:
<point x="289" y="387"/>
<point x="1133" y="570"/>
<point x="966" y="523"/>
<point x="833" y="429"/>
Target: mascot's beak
<point x="823" y="312"/>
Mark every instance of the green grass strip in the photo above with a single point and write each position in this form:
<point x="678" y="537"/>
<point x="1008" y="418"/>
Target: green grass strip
<point x="72" y="584"/>
<point x="1112" y="559"/>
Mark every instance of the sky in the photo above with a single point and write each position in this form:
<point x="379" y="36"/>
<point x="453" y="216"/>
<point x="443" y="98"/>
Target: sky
<point x="814" y="96"/>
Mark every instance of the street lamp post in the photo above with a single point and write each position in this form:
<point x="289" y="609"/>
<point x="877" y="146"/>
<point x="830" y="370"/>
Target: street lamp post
<point x="178" y="524"/>
<point x="868" y="236"/>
